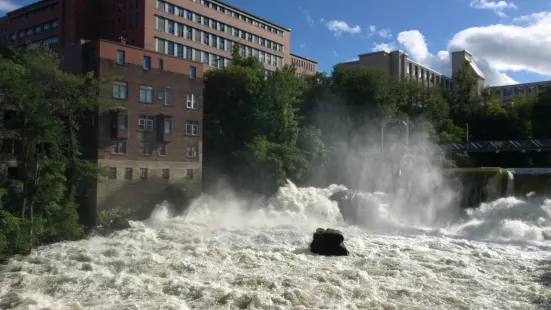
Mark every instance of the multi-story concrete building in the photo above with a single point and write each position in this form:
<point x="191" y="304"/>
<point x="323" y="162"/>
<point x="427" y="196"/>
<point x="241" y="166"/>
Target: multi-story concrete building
<point x="397" y="64"/>
<point x="304" y="66"/>
<point x="531" y="90"/>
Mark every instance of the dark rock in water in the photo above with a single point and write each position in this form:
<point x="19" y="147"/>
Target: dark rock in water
<point x="120" y="223"/>
<point x="328" y="242"/>
<point x="349" y="204"/>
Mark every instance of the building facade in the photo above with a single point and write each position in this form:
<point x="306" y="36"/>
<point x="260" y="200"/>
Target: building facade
<point x="397" y="64"/>
<point x="196" y="30"/>
<point x="531" y="90"/>
<point x="150" y="137"/>
<point x="304" y="66"/>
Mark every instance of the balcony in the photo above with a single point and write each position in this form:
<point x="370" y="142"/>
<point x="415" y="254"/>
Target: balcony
<point x="164" y="128"/>
<point x="119" y="124"/>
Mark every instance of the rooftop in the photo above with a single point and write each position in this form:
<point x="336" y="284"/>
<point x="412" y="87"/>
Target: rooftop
<point x="252" y="15"/>
<point x="302" y="57"/>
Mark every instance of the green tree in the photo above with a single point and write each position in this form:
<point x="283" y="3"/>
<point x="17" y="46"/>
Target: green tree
<point x="42" y="107"/>
<point x="251" y="125"/>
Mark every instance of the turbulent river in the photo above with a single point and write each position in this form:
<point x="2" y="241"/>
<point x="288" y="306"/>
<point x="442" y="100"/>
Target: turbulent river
<point x="221" y="255"/>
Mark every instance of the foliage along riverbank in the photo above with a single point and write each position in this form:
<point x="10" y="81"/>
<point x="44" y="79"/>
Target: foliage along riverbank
<point x="258" y="132"/>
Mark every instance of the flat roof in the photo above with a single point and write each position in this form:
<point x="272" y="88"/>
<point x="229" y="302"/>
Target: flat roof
<point x="522" y="84"/>
<point x="24" y="8"/>
<point x="302" y="57"/>
<point x="252" y="15"/>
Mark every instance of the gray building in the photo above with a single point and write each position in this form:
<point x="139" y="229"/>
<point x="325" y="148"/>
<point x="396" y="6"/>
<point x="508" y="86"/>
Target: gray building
<point x="506" y="92"/>
<point x="398" y="64"/>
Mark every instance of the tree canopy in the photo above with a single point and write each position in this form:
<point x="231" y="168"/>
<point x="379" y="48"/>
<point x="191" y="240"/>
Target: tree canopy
<point x="261" y="130"/>
<point x="42" y="108"/>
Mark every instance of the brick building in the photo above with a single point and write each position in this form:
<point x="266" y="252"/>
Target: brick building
<point x="303" y="65"/>
<point x="197" y="30"/>
<point x="152" y="140"/>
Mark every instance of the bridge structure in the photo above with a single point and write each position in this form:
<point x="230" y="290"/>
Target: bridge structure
<point x="536" y="145"/>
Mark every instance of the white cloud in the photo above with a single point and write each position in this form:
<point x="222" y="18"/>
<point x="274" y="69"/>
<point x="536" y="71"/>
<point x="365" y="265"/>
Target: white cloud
<point x="309" y="18"/>
<point x="387" y="47"/>
<point x="338" y="27"/>
<point x="335" y="53"/>
<point x="383" y="33"/>
<point x="497" y="6"/>
<point x="6" y="6"/>
<point x="303" y="45"/>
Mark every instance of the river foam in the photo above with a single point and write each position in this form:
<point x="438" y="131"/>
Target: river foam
<point x="221" y="255"/>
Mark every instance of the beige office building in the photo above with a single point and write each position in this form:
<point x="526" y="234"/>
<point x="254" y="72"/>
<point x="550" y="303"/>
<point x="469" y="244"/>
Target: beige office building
<point x="398" y="64"/>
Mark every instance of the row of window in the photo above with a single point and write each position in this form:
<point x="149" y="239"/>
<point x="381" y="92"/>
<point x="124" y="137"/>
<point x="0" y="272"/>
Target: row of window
<point x="520" y="90"/>
<point x="111" y="173"/>
<point x="37" y="12"/>
<point x="147" y="123"/>
<point x="177" y="10"/>
<point x="47" y="42"/>
<point x="212" y="40"/>
<point x="120" y="91"/>
<point x="216" y="25"/>
<point x="146" y="149"/>
<point x="425" y="75"/>
<point x="36" y="29"/>
<point x="121" y="60"/>
<point x="303" y="64"/>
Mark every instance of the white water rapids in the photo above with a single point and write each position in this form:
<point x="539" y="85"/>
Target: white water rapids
<point x="220" y="256"/>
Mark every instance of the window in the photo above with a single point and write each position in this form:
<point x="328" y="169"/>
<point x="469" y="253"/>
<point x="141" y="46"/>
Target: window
<point x="120" y="90"/>
<point x="145" y="123"/>
<point x="160" y="93"/>
<point x="128" y="173"/>
<point x="192" y="151"/>
<point x="166" y="174"/>
<point x="119" y="147"/>
<point x="192" y="101"/>
<point x="146" y="62"/>
<point x="143" y="173"/>
<point x="162" y="150"/>
<point x="180" y="30"/>
<point x="171" y="27"/>
<point x="168" y="96"/>
<point x="192" y="72"/>
<point x="170" y="47"/>
<point x="180" y="51"/>
<point x="192" y="128"/>
<point x="189" y="33"/>
<point x="145" y="148"/>
<point x="146" y="94"/>
<point x="111" y="173"/>
<point x="189" y="174"/>
<point x="161" y="65"/>
<point x="168" y="125"/>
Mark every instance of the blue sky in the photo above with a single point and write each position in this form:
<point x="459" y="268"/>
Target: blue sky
<point x="511" y="40"/>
